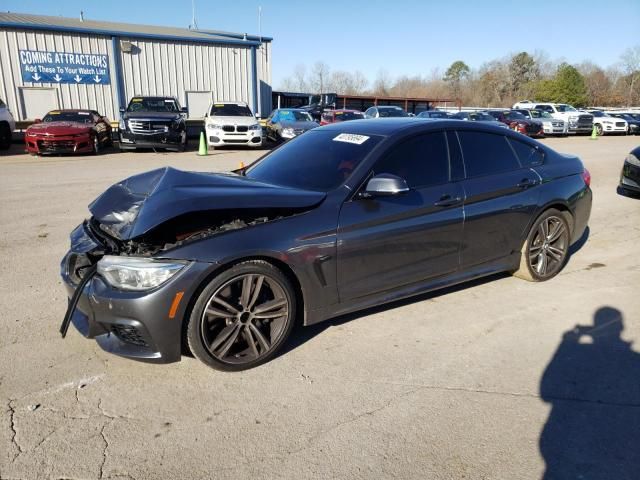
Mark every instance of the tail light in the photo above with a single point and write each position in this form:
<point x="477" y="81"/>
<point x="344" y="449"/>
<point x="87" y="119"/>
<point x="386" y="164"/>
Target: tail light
<point x="586" y="176"/>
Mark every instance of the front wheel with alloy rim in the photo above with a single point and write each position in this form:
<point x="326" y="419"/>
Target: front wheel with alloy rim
<point x="242" y="317"/>
<point x="599" y="130"/>
<point x="546" y="248"/>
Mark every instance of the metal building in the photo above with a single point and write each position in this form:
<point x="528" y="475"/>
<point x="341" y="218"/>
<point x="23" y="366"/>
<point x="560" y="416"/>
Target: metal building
<point x="55" y="62"/>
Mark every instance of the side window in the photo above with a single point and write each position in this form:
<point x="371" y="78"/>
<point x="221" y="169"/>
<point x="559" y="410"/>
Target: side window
<point x="486" y="153"/>
<point x="529" y="155"/>
<point x="422" y="161"/>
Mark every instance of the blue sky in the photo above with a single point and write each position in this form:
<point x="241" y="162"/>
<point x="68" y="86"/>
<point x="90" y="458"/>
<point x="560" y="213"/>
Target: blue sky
<point x="404" y="37"/>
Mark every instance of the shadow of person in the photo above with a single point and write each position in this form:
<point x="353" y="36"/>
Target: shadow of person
<point x="593" y="386"/>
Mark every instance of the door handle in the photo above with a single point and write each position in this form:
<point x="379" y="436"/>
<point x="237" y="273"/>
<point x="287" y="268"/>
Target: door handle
<point x="526" y="183"/>
<point x="447" y="201"/>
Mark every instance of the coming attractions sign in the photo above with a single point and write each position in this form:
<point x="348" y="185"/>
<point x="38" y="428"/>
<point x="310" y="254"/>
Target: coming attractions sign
<point x="63" y="67"/>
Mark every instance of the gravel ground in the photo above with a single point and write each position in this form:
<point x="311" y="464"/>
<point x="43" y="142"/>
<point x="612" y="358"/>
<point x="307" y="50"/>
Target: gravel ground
<point x="498" y="379"/>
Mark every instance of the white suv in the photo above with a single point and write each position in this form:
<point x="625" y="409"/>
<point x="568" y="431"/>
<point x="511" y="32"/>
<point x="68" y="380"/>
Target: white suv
<point x="231" y="123"/>
<point x="7" y="126"/>
<point x="577" y="120"/>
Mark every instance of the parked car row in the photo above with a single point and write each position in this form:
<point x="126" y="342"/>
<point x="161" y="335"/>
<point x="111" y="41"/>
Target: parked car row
<point x="160" y="122"/>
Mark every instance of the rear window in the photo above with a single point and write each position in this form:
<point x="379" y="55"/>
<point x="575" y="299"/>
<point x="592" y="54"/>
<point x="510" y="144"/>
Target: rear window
<point x="342" y="116"/>
<point x="486" y="153"/>
<point x="316" y="160"/>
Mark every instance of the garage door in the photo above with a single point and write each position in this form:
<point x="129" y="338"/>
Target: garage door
<point x="197" y="103"/>
<point x="36" y="102"/>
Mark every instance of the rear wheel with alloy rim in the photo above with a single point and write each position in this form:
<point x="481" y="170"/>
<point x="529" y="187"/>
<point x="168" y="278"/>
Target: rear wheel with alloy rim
<point x="545" y="251"/>
<point x="242" y="317"/>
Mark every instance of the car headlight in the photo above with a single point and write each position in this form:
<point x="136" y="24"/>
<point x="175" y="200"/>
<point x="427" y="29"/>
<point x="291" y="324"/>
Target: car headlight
<point x="136" y="273"/>
<point x="32" y="134"/>
<point x="608" y="122"/>
<point x="213" y="126"/>
<point x="288" y="132"/>
<point x="122" y="125"/>
<point x="632" y="159"/>
<point x="254" y="127"/>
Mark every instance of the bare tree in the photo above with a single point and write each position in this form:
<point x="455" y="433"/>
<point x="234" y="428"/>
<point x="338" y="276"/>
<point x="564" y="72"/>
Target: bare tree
<point x="319" y="77"/>
<point x="631" y="65"/>
<point x="383" y="83"/>
<point x="300" y="77"/>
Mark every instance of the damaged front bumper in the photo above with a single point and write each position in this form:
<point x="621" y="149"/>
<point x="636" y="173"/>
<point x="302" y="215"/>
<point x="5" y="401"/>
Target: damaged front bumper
<point x="171" y="140"/>
<point x="145" y="326"/>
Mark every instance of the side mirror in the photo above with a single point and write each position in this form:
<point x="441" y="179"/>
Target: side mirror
<point x="37" y="120"/>
<point x="122" y="109"/>
<point x="184" y="110"/>
<point x="257" y="115"/>
<point x="385" y="185"/>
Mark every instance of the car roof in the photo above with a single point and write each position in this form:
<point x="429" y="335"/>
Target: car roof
<point x="393" y="126"/>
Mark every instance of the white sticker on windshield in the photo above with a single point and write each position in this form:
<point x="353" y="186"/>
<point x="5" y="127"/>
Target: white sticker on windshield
<point x="83" y="113"/>
<point x="351" y="138"/>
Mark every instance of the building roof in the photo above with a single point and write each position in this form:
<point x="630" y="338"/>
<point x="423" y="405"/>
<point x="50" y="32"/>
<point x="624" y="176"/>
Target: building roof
<point x="65" y="24"/>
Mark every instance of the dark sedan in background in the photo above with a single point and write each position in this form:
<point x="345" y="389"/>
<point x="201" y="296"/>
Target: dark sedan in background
<point x="68" y="131"/>
<point x="633" y="119"/>
<point x="518" y="122"/>
<point x="630" y="176"/>
<point x="286" y="123"/>
<point x="342" y="218"/>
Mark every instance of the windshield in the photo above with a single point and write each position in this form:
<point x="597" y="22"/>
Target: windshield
<point x="598" y="114"/>
<point x="153" y="105"/>
<point x="481" y="117"/>
<point x="230" y="110"/>
<point x="80" y="117"/>
<point x="515" y="116"/>
<point x="342" y="116"/>
<point x="317" y="160"/>
<point x="635" y="116"/>
<point x="540" y="114"/>
<point x="294" y="116"/>
<point x="431" y="114"/>
<point x="565" y="108"/>
<point x="391" y="112"/>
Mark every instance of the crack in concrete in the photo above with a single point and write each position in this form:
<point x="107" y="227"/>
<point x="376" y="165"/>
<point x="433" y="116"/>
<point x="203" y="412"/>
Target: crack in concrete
<point x="104" y="450"/>
<point x="14" y="431"/>
<point x="508" y="394"/>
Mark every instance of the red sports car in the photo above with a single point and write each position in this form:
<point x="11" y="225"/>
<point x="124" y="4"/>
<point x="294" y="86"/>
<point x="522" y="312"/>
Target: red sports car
<point x="68" y="131"/>
<point x="332" y="116"/>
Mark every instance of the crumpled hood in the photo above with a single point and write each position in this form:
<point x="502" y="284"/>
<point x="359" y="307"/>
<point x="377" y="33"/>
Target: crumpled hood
<point x="136" y="205"/>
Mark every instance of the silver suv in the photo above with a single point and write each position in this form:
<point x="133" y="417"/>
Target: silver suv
<point x="7" y="126"/>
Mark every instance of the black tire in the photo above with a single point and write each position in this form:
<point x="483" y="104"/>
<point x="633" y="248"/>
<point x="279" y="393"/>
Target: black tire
<point x="242" y="317"/>
<point x="599" y="130"/>
<point x="5" y="136"/>
<point x="95" y="140"/>
<point x="542" y="259"/>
